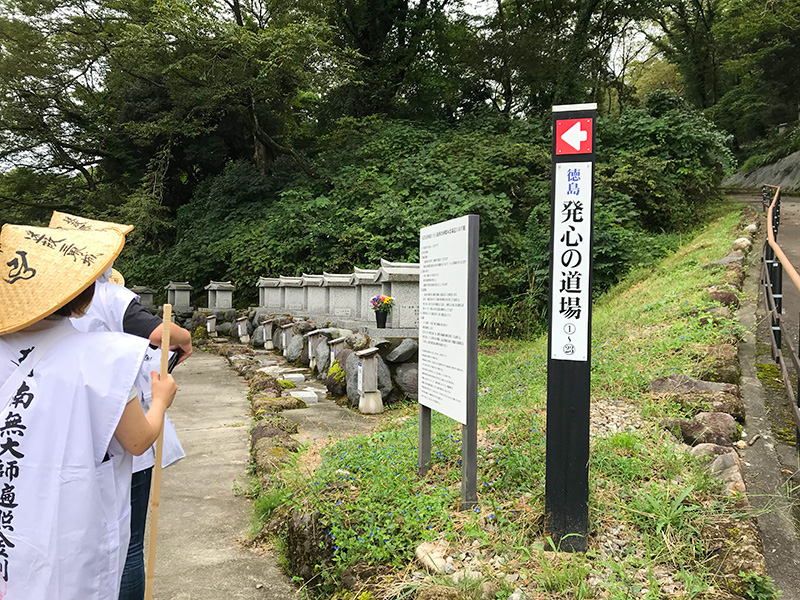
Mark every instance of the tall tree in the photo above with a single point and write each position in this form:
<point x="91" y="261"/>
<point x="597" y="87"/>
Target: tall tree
<point x="390" y="38"/>
<point x="49" y="76"/>
<point x="761" y="66"/>
<point x="545" y="52"/>
<point x="690" y="42"/>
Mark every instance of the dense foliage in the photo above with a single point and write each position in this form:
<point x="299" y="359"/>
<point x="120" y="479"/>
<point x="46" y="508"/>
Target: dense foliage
<point x="248" y="138"/>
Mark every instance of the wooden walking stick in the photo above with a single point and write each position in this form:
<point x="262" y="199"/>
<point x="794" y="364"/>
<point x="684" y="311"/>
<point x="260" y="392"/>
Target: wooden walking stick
<point x="151" y="554"/>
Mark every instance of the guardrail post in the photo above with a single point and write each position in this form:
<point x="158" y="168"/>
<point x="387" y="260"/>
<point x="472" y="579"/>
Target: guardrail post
<point x="776" y="279"/>
<point x="765" y="197"/>
<point x="769" y="259"/>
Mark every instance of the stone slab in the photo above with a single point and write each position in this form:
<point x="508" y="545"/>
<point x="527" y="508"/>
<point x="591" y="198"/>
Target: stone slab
<point x="391" y="332"/>
<point x="294" y="377"/>
<point x="307" y="396"/>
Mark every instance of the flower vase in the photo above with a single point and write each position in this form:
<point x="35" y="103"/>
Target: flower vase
<point x="380" y="319"/>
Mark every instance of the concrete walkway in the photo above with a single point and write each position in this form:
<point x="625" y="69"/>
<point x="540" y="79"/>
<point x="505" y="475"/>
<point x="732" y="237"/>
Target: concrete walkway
<point x="201" y="520"/>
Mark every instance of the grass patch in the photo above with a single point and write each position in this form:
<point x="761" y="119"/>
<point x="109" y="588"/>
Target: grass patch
<point x="648" y="498"/>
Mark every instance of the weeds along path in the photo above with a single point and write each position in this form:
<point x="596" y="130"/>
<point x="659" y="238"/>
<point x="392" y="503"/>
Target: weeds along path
<point x="201" y="520"/>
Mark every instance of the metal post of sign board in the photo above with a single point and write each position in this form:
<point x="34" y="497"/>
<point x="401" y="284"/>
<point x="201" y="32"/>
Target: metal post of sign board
<point x="424" y="452"/>
<point x="469" y="431"/>
<point x="448" y="341"/>
<point x="569" y="340"/>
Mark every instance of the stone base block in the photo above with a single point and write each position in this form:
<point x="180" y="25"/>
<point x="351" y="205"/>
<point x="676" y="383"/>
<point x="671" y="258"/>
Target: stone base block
<point x="391" y="332"/>
<point x="306" y="396"/>
<point x="370" y="403"/>
<point x="268" y="345"/>
<point x="295" y="377"/>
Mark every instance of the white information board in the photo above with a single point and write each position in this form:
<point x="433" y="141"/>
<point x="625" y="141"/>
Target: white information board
<point x="569" y="306"/>
<point x="443" y="320"/>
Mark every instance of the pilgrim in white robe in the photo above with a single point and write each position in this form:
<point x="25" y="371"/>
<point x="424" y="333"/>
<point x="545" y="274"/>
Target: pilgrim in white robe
<point x="64" y="478"/>
<point x="107" y="313"/>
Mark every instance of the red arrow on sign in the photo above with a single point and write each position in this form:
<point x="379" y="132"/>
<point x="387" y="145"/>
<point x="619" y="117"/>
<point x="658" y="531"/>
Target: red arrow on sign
<point x="573" y="136"/>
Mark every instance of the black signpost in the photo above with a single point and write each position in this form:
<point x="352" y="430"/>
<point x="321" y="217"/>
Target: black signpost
<point x="568" y="366"/>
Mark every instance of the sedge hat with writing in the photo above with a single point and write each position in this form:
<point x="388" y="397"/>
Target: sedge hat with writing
<point x="41" y="269"/>
<point x="60" y="220"/>
<point x="116" y="277"/>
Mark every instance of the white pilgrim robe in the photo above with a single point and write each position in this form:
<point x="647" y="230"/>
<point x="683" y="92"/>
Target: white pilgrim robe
<point x="64" y="479"/>
<point x="106" y="313"/>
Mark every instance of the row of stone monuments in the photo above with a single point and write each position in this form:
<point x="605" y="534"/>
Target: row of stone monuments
<point x="341" y="298"/>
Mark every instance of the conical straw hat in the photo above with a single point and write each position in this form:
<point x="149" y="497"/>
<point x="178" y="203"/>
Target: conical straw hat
<point x="41" y="269"/>
<point x="61" y="220"/>
<point x="116" y="277"/>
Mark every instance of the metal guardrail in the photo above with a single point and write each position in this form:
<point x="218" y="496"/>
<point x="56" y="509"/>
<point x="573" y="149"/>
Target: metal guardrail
<point x="773" y="265"/>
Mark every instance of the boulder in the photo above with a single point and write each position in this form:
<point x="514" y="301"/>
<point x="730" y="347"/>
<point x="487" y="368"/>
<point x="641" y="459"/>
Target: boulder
<point x="257" y="316"/>
<point x="406" y="351"/>
<point x="722" y="364"/>
<point x="707" y="401"/>
<point x="323" y="354"/>
<point x="357" y="341"/>
<point x="742" y="244"/>
<point x="303" y="327"/>
<point x="304" y="355"/>
<point x="384" y="379"/>
<point x="725" y="297"/>
<point x="734" y="276"/>
<point x="705" y="428"/>
<point x="433" y="556"/>
<point x="309" y="546"/>
<point x="264" y="430"/>
<point x="735" y="257"/>
<point x="265" y="405"/>
<point x="351" y="377"/>
<point x="280" y="422"/>
<point x="244" y="365"/>
<point x="334" y="333"/>
<point x="231" y="350"/>
<point x="264" y="383"/>
<point x="224" y="328"/>
<point x="710" y="451"/>
<point x="269" y="458"/>
<point x="715" y="314"/>
<point x="277" y="324"/>
<point x="198" y="320"/>
<point x="680" y="384"/>
<point x="406" y="377"/>
<point x="259" y="337"/>
<point x="728" y="469"/>
<point x="336" y="382"/>
<point x="294" y="348"/>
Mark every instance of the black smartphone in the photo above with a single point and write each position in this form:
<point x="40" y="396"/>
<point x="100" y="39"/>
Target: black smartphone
<point x="173" y="360"/>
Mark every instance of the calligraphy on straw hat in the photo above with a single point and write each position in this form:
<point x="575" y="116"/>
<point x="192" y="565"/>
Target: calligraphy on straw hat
<point x="41" y="269"/>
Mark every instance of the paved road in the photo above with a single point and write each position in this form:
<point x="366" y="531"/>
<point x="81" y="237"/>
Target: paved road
<point x="789" y="240"/>
<point x="199" y="556"/>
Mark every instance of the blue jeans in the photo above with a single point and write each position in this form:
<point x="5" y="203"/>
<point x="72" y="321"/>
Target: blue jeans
<point x="132" y="587"/>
